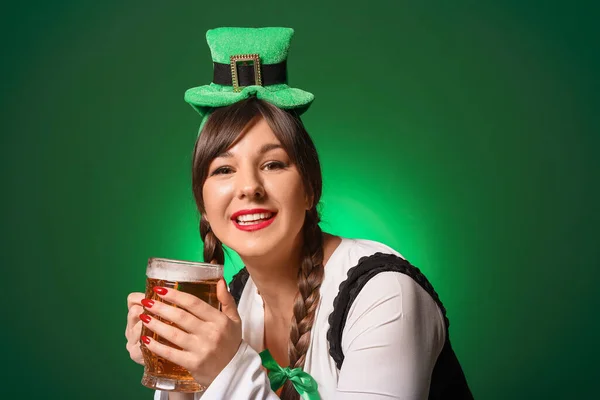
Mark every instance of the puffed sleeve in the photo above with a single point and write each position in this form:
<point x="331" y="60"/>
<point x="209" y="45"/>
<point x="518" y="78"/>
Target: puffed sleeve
<point x="242" y="378"/>
<point x="393" y="335"/>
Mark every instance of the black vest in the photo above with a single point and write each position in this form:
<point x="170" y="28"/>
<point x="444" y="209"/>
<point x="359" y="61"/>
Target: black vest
<point x="447" y="380"/>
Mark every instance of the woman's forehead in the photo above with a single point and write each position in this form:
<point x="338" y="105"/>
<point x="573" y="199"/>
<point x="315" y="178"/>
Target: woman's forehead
<point x="257" y="138"/>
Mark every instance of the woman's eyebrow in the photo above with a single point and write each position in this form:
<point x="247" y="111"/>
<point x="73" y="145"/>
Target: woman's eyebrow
<point x="270" y="146"/>
<point x="264" y="149"/>
<point x="226" y="154"/>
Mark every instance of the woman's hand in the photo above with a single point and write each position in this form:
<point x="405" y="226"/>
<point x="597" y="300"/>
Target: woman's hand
<point x="134" y="327"/>
<point x="208" y="338"/>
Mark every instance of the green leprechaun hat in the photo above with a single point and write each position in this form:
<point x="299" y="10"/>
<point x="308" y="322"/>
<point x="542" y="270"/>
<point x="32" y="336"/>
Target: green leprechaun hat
<point x="248" y="62"/>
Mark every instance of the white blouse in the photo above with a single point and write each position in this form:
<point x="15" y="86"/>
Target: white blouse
<point x="393" y="335"/>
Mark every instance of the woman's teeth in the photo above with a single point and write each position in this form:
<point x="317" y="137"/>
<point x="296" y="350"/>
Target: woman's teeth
<point x="250" y="219"/>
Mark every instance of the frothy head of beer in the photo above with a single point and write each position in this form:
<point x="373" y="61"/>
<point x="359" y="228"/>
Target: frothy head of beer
<point x="182" y="271"/>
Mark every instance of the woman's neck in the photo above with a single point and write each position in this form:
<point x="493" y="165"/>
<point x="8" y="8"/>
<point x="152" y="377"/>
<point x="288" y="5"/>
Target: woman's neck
<point x="276" y="278"/>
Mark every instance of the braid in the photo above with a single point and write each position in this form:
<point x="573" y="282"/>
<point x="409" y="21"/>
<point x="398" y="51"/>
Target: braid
<point x="310" y="277"/>
<point x="213" y="249"/>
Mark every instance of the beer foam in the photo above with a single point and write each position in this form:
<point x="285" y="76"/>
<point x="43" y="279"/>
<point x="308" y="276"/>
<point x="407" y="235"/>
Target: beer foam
<point x="182" y="271"/>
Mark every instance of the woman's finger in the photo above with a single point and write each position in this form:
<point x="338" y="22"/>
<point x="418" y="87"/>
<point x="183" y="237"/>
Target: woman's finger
<point x="133" y="319"/>
<point x="227" y="301"/>
<point x="166" y="331"/>
<point x="134" y="298"/>
<point x="135" y="352"/>
<point x="191" y="303"/>
<point x="185" y="320"/>
<point x="179" y="357"/>
<point x="134" y="332"/>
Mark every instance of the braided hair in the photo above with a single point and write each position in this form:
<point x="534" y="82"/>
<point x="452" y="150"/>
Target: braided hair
<point x="310" y="277"/>
<point x="213" y="248"/>
<point x="221" y="131"/>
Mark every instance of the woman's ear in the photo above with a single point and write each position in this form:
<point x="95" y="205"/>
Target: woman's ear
<point x="309" y="199"/>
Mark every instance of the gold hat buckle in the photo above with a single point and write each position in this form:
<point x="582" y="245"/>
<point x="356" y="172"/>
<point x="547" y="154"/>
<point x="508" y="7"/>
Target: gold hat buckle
<point x="234" y="60"/>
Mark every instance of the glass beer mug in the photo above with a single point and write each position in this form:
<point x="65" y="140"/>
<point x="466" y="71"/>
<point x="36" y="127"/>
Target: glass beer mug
<point x="199" y="279"/>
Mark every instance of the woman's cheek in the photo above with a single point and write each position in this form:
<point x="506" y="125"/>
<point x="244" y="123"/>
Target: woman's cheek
<point x="214" y="204"/>
<point x="217" y="189"/>
<point x="217" y="195"/>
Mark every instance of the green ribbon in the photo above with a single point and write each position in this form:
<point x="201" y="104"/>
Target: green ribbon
<point x="305" y="385"/>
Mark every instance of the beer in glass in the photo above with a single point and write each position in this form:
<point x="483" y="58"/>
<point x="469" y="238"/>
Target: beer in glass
<point x="199" y="279"/>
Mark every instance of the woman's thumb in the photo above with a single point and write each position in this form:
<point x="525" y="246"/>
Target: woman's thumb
<point x="227" y="301"/>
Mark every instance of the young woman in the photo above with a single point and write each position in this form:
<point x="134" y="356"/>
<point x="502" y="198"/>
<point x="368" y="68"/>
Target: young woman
<point x="350" y="318"/>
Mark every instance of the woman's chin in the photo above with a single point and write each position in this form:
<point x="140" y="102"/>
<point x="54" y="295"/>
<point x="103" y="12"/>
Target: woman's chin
<point x="255" y="252"/>
<point x="253" y="249"/>
<point x="268" y="244"/>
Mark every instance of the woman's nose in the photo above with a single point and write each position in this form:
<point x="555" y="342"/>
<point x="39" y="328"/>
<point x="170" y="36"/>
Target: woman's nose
<point x="250" y="185"/>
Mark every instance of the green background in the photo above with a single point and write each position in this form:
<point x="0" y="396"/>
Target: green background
<point x="463" y="134"/>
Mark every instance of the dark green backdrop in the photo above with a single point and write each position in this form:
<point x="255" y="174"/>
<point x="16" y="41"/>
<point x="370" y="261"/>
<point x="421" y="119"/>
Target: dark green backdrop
<point x="465" y="136"/>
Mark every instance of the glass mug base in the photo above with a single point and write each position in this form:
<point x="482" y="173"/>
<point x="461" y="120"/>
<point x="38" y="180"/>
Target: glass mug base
<point x="168" y="384"/>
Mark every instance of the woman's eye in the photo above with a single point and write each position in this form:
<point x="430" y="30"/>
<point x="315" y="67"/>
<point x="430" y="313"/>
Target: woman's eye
<point x="272" y="165"/>
<point x="221" y="171"/>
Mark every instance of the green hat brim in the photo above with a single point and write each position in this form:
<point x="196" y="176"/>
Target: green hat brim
<point x="208" y="97"/>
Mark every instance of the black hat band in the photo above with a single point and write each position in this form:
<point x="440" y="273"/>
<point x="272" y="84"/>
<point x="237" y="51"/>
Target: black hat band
<point x="271" y="74"/>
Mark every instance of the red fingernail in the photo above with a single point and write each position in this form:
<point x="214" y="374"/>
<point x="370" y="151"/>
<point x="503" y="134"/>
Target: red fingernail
<point x="145" y="318"/>
<point x="145" y="339"/>
<point x="159" y="290"/>
<point x="147" y="303"/>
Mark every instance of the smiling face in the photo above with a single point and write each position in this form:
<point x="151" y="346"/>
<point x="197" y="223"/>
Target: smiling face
<point x="254" y="196"/>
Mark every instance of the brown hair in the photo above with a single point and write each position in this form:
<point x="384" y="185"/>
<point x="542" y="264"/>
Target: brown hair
<point x="221" y="130"/>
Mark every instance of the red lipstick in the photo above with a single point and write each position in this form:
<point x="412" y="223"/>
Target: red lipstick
<point x="253" y="227"/>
